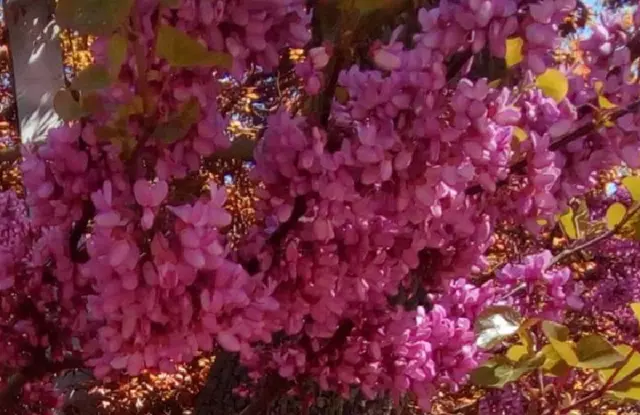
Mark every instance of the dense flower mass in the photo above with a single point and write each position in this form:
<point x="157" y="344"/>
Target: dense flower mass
<point x="376" y="202"/>
<point x="537" y="290"/>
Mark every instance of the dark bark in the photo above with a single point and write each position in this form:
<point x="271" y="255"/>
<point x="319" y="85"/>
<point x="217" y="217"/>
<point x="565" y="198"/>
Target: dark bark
<point x="217" y="397"/>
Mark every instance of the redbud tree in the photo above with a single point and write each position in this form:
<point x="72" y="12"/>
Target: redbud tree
<point x="419" y="127"/>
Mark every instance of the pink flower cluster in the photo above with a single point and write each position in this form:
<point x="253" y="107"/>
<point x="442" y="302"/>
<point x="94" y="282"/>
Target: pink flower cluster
<point x="358" y="216"/>
<point x="544" y="292"/>
<point x="151" y="280"/>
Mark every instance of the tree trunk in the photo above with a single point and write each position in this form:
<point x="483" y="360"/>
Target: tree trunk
<point x="217" y="397"/>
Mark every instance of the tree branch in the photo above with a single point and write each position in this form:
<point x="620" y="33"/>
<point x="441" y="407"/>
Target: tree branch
<point x="38" y="368"/>
<point x="607" y="385"/>
<point x="562" y="141"/>
<point x="590" y="242"/>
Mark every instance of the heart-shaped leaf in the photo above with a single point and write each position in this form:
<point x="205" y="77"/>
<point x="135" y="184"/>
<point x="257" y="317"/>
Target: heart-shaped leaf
<point x="181" y="50"/>
<point x="67" y="107"/>
<point x="594" y="352"/>
<point x="93" y="17"/>
<point x="495" y="324"/>
<point x="558" y="336"/>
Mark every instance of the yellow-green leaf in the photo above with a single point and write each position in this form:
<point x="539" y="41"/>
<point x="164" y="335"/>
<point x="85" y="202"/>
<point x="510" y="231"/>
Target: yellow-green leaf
<point x="553" y="84"/>
<point x="524" y="332"/>
<point x="581" y="219"/>
<point x="116" y="53"/>
<point x="495" y="83"/>
<point x="632" y="183"/>
<point x="93" y="17"/>
<point x="631" y="388"/>
<point x="615" y="214"/>
<point x="67" y="107"/>
<point x="568" y="225"/>
<point x="170" y="3"/>
<point x="92" y="78"/>
<point x="520" y="134"/>
<point x="554" y="364"/>
<point x="594" y="352"/>
<point x="558" y="336"/>
<point x="636" y="310"/>
<point x="517" y="352"/>
<point x="499" y="370"/>
<point x="605" y="104"/>
<point x="632" y="364"/>
<point x="513" y="54"/>
<point x="135" y="106"/>
<point x="495" y="324"/>
<point x="181" y="50"/>
<point x="598" y="86"/>
<point x="484" y="376"/>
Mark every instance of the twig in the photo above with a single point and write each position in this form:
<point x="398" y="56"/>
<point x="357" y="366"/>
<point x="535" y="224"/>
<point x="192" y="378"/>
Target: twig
<point x="566" y="139"/>
<point x="602" y="390"/>
<point x="141" y="65"/>
<point x="595" y="240"/>
<point x="514" y="291"/>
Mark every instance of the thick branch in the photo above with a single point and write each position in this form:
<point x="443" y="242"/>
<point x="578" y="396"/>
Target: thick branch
<point x="37" y="369"/>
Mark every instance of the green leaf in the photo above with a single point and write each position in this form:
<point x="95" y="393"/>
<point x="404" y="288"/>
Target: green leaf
<point x="594" y="352"/>
<point x="615" y="214"/>
<point x="170" y="3"/>
<point x="558" y="336"/>
<point x="93" y="17"/>
<point x="181" y="50"/>
<point x="67" y="107"/>
<point x="92" y="78"/>
<point x="495" y="324"/>
<point x="116" y="53"/>
<point x="499" y="370"/>
<point x="484" y="376"/>
<point x="553" y="84"/>
<point x="176" y="128"/>
<point x="517" y="352"/>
